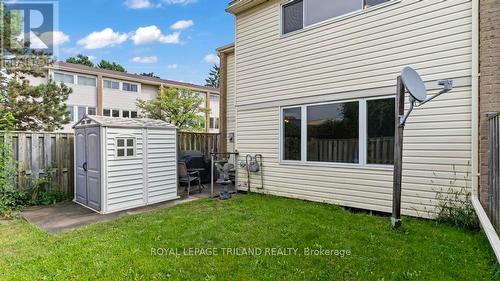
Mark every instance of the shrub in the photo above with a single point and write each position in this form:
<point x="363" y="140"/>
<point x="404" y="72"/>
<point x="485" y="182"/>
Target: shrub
<point x="455" y="206"/>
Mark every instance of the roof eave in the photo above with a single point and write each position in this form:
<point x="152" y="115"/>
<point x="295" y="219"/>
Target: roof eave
<point x="226" y="48"/>
<point x="238" y="6"/>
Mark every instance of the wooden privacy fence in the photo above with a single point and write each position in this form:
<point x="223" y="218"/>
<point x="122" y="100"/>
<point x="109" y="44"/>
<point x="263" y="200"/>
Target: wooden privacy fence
<point x="38" y="154"/>
<point x="493" y="208"/>
<point x="43" y="154"/>
<point x="204" y="142"/>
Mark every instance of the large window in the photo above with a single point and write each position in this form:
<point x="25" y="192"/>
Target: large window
<point x="354" y="132"/>
<point x="292" y="132"/>
<point x="86" y="81"/>
<point x="380" y="126"/>
<point x="333" y="132"/>
<point x="301" y="13"/>
<point x="60" y="77"/>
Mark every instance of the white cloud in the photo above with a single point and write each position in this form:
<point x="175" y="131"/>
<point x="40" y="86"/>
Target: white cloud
<point x="152" y="59"/>
<point x="172" y="66"/>
<point x="92" y="58"/>
<point x="182" y="24"/>
<point x="138" y="4"/>
<point x="152" y="34"/>
<point x="211" y="58"/>
<point x="104" y="38"/>
<point x="180" y="2"/>
<point x="56" y="37"/>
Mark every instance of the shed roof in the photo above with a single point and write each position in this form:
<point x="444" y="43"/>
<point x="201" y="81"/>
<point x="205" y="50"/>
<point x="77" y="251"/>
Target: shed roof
<point x="116" y="122"/>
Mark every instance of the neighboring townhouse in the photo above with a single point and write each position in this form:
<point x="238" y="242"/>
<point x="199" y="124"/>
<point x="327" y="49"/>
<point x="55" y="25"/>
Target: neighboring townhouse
<point x="112" y="93"/>
<point x="310" y="85"/>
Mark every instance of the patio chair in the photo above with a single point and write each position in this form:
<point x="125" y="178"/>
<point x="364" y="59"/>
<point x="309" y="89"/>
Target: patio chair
<point x="188" y="177"/>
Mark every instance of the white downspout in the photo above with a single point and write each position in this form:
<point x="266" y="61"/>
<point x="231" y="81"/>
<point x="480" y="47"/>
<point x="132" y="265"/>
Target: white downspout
<point x="485" y="222"/>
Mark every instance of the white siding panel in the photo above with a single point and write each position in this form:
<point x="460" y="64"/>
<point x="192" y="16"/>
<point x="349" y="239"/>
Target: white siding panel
<point x="365" y="51"/>
<point x="436" y="159"/>
<point x="124" y="175"/>
<point x="162" y="165"/>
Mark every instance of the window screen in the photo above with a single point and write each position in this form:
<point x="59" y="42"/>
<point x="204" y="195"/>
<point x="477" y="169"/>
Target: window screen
<point x="333" y="133"/>
<point x="86" y="81"/>
<point x="111" y="84"/>
<point x="71" y="113"/>
<point x="126" y="114"/>
<point x="370" y="3"/>
<point x="133" y="114"/>
<point x="64" y="78"/>
<point x="292" y="132"/>
<point x="293" y="16"/>
<point x="321" y="10"/>
<point x="91" y="111"/>
<point x="81" y="112"/>
<point x="129" y="87"/>
<point x="115" y="113"/>
<point x="381" y="127"/>
<point x="106" y="112"/>
<point x="125" y="147"/>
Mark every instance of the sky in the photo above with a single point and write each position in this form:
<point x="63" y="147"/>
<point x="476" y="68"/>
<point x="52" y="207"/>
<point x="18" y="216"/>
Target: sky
<point x="175" y="39"/>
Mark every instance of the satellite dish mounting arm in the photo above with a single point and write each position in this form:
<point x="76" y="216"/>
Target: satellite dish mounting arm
<point x="448" y="86"/>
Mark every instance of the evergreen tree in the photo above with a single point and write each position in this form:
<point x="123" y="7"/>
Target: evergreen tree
<point x="213" y="77"/>
<point x="80" y="59"/>
<point x="104" y="64"/>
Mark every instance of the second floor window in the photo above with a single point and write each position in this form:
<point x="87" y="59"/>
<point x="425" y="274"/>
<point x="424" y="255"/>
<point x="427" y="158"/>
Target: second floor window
<point x="86" y="81"/>
<point x="129" y="87"/>
<point x="60" y="77"/>
<point x="301" y="13"/>
<point x="110" y="84"/>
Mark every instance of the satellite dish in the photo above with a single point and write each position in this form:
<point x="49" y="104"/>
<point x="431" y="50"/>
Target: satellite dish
<point x="414" y="84"/>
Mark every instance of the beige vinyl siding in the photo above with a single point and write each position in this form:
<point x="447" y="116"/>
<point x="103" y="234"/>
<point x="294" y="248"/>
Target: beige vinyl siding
<point x="359" y="56"/>
<point x="364" y="51"/>
<point x="162" y="165"/>
<point x="436" y="159"/>
<point x="125" y="186"/>
<point x="231" y="101"/>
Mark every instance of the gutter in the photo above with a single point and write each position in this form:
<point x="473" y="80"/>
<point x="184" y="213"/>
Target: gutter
<point x="488" y="228"/>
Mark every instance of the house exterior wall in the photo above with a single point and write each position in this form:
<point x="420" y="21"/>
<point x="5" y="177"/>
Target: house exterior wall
<point x="357" y="57"/>
<point x="489" y="85"/>
<point x="116" y="99"/>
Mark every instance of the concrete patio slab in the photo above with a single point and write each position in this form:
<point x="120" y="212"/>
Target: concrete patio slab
<point x="69" y="215"/>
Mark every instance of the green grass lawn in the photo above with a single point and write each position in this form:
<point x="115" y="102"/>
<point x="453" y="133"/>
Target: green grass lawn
<point x="121" y="249"/>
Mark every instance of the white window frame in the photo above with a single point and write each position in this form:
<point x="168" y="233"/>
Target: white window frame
<point x="363" y="135"/>
<point x="134" y="147"/>
<point x="86" y="76"/>
<point x="338" y="18"/>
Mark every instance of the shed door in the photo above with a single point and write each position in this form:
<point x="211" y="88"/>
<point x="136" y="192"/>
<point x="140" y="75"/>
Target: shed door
<point x="80" y="159"/>
<point x="88" y="167"/>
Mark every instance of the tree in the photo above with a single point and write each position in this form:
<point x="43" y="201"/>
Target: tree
<point x="80" y="59"/>
<point x="36" y="108"/>
<point x="213" y="77"/>
<point x="27" y="107"/>
<point x="150" y="74"/>
<point x="180" y="107"/>
<point x="104" y="64"/>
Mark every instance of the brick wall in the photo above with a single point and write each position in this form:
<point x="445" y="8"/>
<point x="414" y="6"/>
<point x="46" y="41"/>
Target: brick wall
<point x="489" y="82"/>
